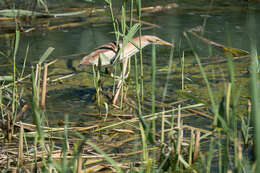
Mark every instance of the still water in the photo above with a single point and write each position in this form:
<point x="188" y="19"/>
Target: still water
<point x="225" y="23"/>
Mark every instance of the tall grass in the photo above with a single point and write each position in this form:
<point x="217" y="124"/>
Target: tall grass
<point x="230" y="144"/>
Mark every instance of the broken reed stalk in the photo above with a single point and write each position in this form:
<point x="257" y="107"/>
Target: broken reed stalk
<point x="79" y="164"/>
<point x="191" y="147"/>
<point x="37" y="81"/>
<point x="37" y="74"/>
<point x="163" y="126"/>
<point x="239" y="149"/>
<point x="44" y="86"/>
<point x="20" y="153"/>
<point x="180" y="139"/>
<point x="179" y="117"/>
<point x="197" y="146"/>
<point x="180" y="131"/>
<point x="9" y="129"/>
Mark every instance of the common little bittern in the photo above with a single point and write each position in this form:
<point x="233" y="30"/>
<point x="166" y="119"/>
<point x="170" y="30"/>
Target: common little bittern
<point x="107" y="54"/>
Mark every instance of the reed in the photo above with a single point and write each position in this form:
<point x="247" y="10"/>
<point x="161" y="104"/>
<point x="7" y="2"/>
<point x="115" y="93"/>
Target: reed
<point x="254" y="91"/>
<point x="226" y="122"/>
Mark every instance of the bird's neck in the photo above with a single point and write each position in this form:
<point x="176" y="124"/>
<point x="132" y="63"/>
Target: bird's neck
<point x="141" y="43"/>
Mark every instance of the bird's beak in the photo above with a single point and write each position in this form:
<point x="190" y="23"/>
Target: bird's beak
<point x="162" y="42"/>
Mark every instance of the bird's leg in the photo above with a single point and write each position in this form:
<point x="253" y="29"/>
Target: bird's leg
<point x="123" y="76"/>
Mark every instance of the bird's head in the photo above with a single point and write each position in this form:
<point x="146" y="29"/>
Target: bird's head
<point x="155" y="40"/>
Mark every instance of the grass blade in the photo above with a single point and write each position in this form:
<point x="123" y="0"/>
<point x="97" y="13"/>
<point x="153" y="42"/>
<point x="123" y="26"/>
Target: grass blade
<point x="45" y="55"/>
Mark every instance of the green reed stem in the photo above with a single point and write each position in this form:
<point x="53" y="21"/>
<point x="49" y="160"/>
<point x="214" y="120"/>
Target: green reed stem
<point x="24" y="62"/>
<point x="131" y="13"/>
<point x="96" y="81"/>
<point x="255" y="94"/>
<point x="139" y="14"/>
<point x="36" y="110"/>
<point x="153" y="86"/>
<point x="109" y="2"/>
<point x="168" y="75"/>
<point x="182" y="71"/>
<point x="191" y="147"/>
<point x="220" y="148"/>
<point x="137" y="85"/>
<point x="14" y="93"/>
<point x="153" y="95"/>
<point x="123" y="28"/>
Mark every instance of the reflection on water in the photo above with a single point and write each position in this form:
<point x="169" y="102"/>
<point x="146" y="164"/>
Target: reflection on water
<point x="75" y="94"/>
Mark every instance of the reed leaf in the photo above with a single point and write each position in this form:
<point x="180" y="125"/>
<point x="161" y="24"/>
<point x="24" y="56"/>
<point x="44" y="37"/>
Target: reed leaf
<point x="127" y="38"/>
<point x="46" y="55"/>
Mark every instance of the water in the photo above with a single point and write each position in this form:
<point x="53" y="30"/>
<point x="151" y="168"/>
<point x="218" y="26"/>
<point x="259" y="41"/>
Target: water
<point x="226" y="23"/>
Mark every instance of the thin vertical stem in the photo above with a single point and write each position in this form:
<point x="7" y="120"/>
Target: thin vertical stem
<point x="137" y="85"/>
<point x="139" y="13"/>
<point x="1" y="104"/>
<point x="153" y="96"/>
<point x="121" y="81"/>
<point x="44" y="86"/>
<point x="14" y="93"/>
<point x="180" y="131"/>
<point x="131" y="13"/>
<point x="20" y="154"/>
<point x="113" y="19"/>
<point x="17" y="38"/>
<point x="182" y="71"/>
<point x="168" y="75"/>
<point x="197" y="146"/>
<point x="163" y="126"/>
<point x="153" y="88"/>
<point x="79" y="164"/>
<point x="228" y="97"/>
<point x="220" y="164"/>
<point x="191" y="146"/>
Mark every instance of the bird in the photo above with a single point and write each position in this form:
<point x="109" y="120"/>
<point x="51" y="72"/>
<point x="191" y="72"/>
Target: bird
<point x="108" y="52"/>
<point x="106" y="55"/>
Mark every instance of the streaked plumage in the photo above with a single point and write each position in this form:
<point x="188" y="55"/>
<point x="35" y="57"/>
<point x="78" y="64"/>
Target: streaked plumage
<point x="108" y="52"/>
